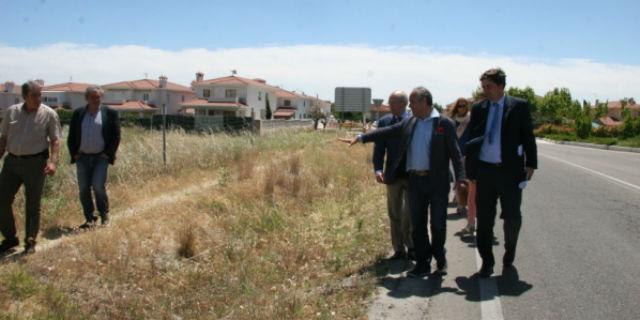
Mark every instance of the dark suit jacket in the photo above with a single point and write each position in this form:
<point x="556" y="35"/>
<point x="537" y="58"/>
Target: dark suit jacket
<point x="110" y="132"/>
<point x="517" y="130"/>
<point x="391" y="147"/>
<point x="444" y="147"/>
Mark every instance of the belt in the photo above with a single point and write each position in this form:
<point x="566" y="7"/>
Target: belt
<point x="421" y="173"/>
<point x="90" y="154"/>
<point x="492" y="165"/>
<point x="28" y="156"/>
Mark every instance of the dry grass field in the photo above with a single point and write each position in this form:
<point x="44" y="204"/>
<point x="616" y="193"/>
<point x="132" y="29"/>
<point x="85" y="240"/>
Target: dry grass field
<point x="285" y="226"/>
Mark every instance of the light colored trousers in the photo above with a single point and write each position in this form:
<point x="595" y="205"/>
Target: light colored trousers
<point x="399" y="214"/>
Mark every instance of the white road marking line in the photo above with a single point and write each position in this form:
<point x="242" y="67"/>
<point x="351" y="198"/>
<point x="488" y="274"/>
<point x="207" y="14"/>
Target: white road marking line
<point x="616" y="180"/>
<point x="490" y="306"/>
<point x="561" y="145"/>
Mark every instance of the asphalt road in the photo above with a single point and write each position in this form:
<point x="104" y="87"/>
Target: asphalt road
<point x="578" y="253"/>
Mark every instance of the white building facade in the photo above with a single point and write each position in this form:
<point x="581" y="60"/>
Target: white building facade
<point x="232" y="96"/>
<point x="155" y="93"/>
<point x="68" y="95"/>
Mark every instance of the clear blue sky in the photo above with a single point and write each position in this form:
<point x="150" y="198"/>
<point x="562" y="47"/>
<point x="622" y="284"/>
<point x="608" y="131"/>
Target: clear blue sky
<point x="604" y="31"/>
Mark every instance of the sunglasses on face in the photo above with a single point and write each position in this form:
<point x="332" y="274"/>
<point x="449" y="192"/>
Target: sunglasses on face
<point x="462" y="106"/>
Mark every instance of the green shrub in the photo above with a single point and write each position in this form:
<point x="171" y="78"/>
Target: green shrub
<point x="607" y="132"/>
<point x="582" y="126"/>
<point x="628" y="128"/>
<point x="65" y="116"/>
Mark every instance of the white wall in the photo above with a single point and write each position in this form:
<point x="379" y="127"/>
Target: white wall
<point x="8" y="99"/>
<point x="116" y="95"/>
<point x="76" y="99"/>
<point x="64" y="98"/>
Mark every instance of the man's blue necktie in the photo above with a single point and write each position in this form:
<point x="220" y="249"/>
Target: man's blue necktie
<point x="494" y="122"/>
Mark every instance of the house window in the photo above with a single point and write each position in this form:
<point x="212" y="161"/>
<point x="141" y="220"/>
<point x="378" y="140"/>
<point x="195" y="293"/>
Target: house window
<point x="287" y="103"/>
<point x="206" y="93"/>
<point x="229" y="114"/>
<point x="211" y="112"/>
<point x="51" y="99"/>
<point x="145" y="96"/>
<point x="259" y="95"/>
<point x="230" y="93"/>
<point x="182" y="98"/>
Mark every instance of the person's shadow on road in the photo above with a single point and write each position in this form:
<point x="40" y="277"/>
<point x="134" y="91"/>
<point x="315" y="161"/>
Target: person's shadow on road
<point x="404" y="287"/>
<point x="508" y="284"/>
<point x="389" y="274"/>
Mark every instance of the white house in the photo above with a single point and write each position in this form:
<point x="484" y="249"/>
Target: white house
<point x="227" y="98"/>
<point x="10" y="94"/>
<point x="148" y="93"/>
<point x="68" y="95"/>
<point x="293" y="105"/>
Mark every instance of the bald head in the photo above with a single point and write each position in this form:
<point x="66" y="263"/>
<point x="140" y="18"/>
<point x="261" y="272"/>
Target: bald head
<point x="398" y="102"/>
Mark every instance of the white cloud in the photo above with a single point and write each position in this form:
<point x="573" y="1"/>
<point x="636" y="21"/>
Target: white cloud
<point x="318" y="69"/>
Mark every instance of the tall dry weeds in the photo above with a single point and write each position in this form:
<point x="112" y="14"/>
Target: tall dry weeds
<point x="278" y="257"/>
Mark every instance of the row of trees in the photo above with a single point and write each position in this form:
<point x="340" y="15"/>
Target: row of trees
<point x="558" y="108"/>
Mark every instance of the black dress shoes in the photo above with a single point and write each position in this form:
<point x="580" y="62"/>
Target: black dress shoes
<point x="398" y="255"/>
<point x="419" y="271"/>
<point x="442" y="268"/>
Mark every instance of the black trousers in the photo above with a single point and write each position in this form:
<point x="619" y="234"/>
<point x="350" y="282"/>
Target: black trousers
<point x="16" y="172"/>
<point x="493" y="183"/>
<point x="428" y="197"/>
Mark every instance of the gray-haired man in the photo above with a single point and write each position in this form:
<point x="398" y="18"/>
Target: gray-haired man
<point x="27" y="132"/>
<point x="94" y="137"/>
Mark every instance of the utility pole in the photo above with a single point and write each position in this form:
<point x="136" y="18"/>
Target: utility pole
<point x="164" y="134"/>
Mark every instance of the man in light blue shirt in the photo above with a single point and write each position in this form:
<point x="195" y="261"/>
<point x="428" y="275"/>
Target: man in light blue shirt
<point x="420" y="148"/>
<point x="94" y="136"/>
<point x="428" y="145"/>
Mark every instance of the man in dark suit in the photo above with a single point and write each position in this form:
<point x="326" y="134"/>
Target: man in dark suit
<point x="94" y="137"/>
<point x="397" y="181"/>
<point x="427" y="144"/>
<point x="501" y="158"/>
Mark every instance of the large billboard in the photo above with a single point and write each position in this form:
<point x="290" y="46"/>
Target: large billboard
<point x="350" y="99"/>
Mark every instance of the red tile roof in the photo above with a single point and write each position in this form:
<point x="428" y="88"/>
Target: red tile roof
<point x="235" y="80"/>
<point x="284" y="112"/>
<point x="146" y="84"/>
<point x="618" y="105"/>
<point x="132" y="106"/>
<point x="608" y="121"/>
<point x="286" y="94"/>
<point x="68" y="87"/>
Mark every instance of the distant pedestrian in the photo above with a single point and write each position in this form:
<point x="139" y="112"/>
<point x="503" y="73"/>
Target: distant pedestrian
<point x="397" y="181"/>
<point x="94" y="137"/>
<point x="30" y="133"/>
<point x="501" y="158"/>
